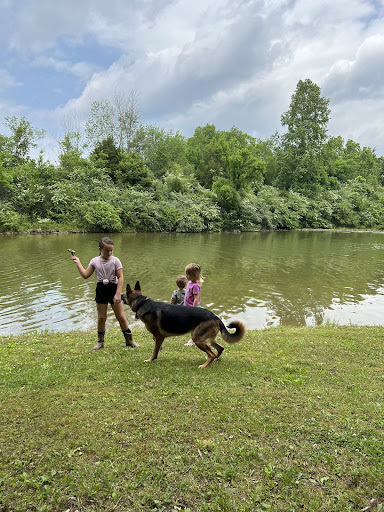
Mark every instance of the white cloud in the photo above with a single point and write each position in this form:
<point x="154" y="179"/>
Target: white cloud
<point x="214" y="61"/>
<point x="7" y="81"/>
<point x="81" y="70"/>
<point x="361" y="77"/>
<point x="360" y="121"/>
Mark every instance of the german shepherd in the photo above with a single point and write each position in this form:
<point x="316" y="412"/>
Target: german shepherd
<point x="163" y="320"/>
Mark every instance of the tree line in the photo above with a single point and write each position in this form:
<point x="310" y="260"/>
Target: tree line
<point x="119" y="175"/>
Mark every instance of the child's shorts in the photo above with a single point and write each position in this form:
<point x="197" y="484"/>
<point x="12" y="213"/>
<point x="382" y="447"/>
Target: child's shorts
<point x="105" y="293"/>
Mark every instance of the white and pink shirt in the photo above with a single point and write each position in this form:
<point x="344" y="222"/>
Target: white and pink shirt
<point x="106" y="269"/>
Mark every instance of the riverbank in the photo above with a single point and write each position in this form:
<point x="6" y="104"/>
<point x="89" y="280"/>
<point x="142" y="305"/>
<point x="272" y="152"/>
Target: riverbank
<point x="78" y="232"/>
<point x="289" y="419"/>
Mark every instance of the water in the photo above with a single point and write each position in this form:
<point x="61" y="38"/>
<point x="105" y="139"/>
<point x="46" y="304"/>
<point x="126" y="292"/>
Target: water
<point x="264" y="279"/>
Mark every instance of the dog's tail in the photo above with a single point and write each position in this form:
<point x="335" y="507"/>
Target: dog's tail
<point x="235" y="337"/>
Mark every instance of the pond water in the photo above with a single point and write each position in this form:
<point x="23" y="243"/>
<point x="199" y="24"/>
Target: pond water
<point x="264" y="279"/>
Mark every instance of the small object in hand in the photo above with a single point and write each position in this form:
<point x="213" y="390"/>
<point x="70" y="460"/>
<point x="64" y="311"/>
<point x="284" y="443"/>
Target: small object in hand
<point x="71" y="251"/>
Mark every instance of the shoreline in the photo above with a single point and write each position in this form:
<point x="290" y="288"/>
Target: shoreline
<point x="79" y="232"/>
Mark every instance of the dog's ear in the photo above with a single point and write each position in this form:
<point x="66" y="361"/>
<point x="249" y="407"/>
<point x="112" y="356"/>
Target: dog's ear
<point x="129" y="290"/>
<point x="137" y="286"/>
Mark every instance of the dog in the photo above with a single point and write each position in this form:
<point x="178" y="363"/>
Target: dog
<point x="163" y="320"/>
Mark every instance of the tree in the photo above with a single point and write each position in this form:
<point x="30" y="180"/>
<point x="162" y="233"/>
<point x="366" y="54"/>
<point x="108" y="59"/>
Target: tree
<point x="23" y="137"/>
<point x="348" y="161"/>
<point x="204" y="153"/>
<point x="306" y="119"/>
<point x="132" y="171"/>
<point x="227" y="197"/>
<point x="301" y="165"/>
<point x="117" y="119"/>
<point x="101" y="123"/>
<point x="232" y="155"/>
<point x="159" y="148"/>
<point x="106" y="155"/>
<point x="128" y="117"/>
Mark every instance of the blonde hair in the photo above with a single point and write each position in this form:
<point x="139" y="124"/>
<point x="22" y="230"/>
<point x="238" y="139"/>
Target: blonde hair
<point x="194" y="270"/>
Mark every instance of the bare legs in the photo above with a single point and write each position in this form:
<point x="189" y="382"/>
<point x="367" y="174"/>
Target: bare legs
<point x="102" y="313"/>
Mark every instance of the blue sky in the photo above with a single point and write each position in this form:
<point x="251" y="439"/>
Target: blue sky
<point x="193" y="62"/>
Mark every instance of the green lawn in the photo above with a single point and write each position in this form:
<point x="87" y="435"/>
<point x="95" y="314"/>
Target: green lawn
<point x="291" y="419"/>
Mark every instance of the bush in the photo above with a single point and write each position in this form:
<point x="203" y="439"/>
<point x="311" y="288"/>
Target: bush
<point x="276" y="209"/>
<point x="10" y="220"/>
<point x="99" y="217"/>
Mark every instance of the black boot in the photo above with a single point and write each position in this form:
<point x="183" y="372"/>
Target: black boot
<point x="129" y="340"/>
<point x="100" y="341"/>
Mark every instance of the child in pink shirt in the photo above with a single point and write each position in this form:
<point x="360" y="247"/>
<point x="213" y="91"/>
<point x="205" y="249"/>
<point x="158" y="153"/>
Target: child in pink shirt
<point x="192" y="293"/>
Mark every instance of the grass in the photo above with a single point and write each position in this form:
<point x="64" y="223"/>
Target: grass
<point x="291" y="419"/>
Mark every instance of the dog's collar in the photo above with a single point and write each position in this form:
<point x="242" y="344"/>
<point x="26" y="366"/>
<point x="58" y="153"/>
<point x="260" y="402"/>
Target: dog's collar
<point x="139" y="305"/>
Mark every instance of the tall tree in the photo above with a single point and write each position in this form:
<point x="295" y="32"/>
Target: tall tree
<point x="301" y="166"/>
<point x="306" y="119"/>
<point x="117" y="119"/>
<point x="128" y="117"/>
<point x="101" y="123"/>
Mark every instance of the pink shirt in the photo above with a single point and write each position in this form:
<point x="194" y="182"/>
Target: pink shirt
<point x="192" y="289"/>
<point x="106" y="269"/>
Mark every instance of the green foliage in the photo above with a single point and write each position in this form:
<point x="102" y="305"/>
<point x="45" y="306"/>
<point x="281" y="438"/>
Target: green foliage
<point x="11" y="220"/>
<point x="232" y="155"/>
<point x="100" y="217"/>
<point x="176" y="212"/>
<point x="300" y="157"/>
<point x="23" y="137"/>
<point x="107" y="156"/>
<point x="5" y="178"/>
<point x="349" y="162"/>
<point x="145" y="178"/>
<point x="279" y="210"/>
<point x="132" y="171"/>
<point x="30" y="192"/>
<point x="176" y="181"/>
<point x="117" y="119"/>
<point x="306" y="119"/>
<point x="227" y="196"/>
<point x="358" y="204"/>
<point x="159" y="149"/>
<point x="204" y="153"/>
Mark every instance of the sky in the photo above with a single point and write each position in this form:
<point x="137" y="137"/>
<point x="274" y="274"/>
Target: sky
<point x="193" y="62"/>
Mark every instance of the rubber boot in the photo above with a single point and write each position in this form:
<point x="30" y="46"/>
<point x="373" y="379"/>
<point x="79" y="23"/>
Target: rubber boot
<point x="100" y="341"/>
<point x="129" y="340"/>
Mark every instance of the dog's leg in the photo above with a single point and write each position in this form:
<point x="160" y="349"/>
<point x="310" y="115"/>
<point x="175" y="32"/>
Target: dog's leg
<point x="207" y="349"/>
<point x="205" y="346"/>
<point x="218" y="347"/>
<point x="158" y="342"/>
<point x="204" y="337"/>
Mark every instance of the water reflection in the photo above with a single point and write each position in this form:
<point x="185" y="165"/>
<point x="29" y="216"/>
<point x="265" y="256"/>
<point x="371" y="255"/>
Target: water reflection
<point x="265" y="279"/>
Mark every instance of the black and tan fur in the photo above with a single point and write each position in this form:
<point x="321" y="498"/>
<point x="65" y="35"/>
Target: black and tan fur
<point x="163" y="320"/>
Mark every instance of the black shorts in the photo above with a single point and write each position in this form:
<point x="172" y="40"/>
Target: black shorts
<point x="105" y="293"/>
